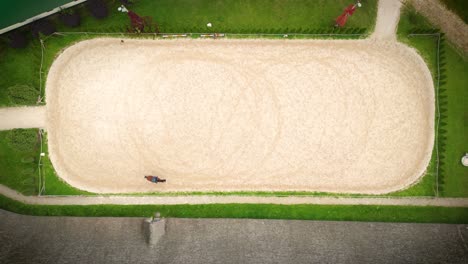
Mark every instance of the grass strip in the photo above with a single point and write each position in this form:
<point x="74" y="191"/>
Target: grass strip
<point x="19" y="154"/>
<point x="416" y="214"/>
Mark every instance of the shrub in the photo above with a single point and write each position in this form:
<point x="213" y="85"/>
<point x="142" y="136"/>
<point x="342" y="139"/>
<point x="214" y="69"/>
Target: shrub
<point x="44" y="27"/>
<point x="413" y="18"/>
<point x="97" y="8"/>
<point x="362" y="30"/>
<point x="17" y="40"/>
<point x="126" y="2"/>
<point x="70" y="19"/>
<point x="23" y="94"/>
<point x="23" y="140"/>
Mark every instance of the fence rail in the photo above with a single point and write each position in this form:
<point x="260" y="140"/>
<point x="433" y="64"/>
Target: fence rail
<point x="41" y="179"/>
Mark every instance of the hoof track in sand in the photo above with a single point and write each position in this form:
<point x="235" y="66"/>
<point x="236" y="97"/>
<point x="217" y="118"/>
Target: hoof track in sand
<point x="312" y="115"/>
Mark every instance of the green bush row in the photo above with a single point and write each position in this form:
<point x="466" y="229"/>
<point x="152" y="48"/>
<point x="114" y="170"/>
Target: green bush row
<point x="424" y="31"/>
<point x="418" y="214"/>
<point x="22" y="94"/>
<point x="22" y="140"/>
<point x="442" y="103"/>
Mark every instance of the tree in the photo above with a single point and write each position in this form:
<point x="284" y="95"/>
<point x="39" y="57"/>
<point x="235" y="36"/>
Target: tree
<point x="97" y="8"/>
<point x="43" y="26"/>
<point x="70" y="18"/>
<point x="17" y="39"/>
<point x="126" y="2"/>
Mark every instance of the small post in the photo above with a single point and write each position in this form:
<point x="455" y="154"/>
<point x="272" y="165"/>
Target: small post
<point x="154" y="228"/>
<point x="156" y="217"/>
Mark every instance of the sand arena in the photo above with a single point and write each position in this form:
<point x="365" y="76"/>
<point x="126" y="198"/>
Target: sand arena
<point x="229" y="115"/>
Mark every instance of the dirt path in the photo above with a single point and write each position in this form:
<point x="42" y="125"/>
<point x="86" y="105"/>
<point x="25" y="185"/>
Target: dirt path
<point x="225" y="199"/>
<point x="388" y="15"/>
<point x="455" y="29"/>
<point x="22" y="117"/>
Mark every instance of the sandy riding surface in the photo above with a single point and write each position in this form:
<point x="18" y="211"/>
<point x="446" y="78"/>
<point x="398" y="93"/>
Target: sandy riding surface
<point x="338" y="116"/>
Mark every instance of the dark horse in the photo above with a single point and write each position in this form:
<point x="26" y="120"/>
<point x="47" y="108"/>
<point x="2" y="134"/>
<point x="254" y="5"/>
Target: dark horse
<point x="154" y="179"/>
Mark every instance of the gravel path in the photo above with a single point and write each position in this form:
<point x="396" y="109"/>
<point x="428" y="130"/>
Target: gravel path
<point x="22" y="117"/>
<point x="455" y="29"/>
<point x="224" y="199"/>
<point x="388" y="15"/>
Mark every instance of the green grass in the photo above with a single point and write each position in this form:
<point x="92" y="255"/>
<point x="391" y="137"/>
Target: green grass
<point x="453" y="95"/>
<point x="19" y="67"/>
<point x="18" y="166"/>
<point x="459" y="7"/>
<point x="253" y="211"/>
<point x="232" y="15"/>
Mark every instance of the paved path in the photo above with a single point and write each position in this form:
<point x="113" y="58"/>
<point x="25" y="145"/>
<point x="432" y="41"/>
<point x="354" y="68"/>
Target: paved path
<point x="388" y="15"/>
<point x="22" y="117"/>
<point x="455" y="29"/>
<point x="32" y="239"/>
<point x="224" y="199"/>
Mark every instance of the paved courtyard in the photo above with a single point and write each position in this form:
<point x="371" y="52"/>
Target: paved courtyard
<point x="27" y="239"/>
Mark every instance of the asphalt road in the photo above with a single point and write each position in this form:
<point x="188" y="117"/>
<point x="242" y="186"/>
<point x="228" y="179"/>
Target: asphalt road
<point x="28" y="239"/>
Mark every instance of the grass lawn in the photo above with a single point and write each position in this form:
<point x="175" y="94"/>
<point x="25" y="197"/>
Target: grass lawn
<point x="18" y="165"/>
<point x="18" y="67"/>
<point x="459" y="7"/>
<point x="253" y="211"/>
<point x="232" y="15"/>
